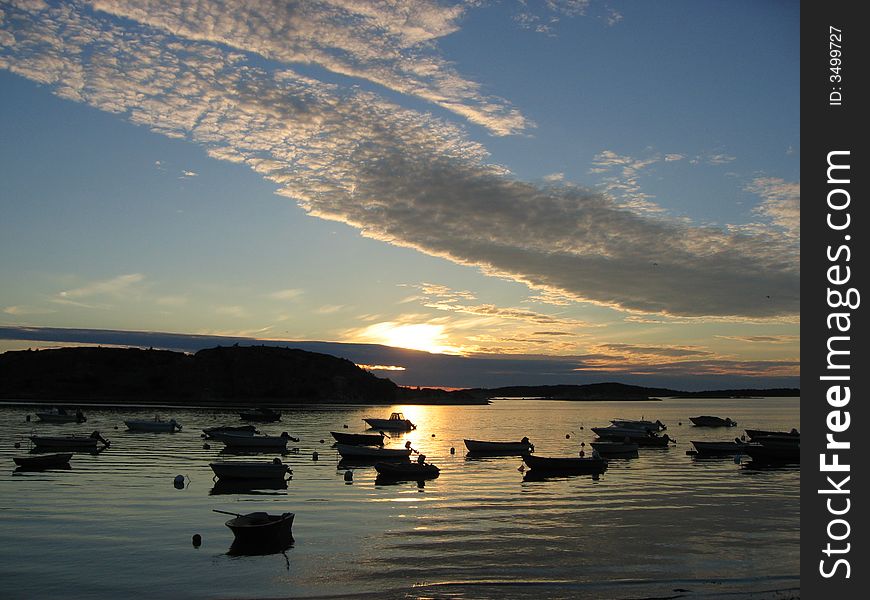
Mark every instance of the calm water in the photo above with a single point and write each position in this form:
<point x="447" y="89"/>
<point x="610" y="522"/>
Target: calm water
<point x="115" y="526"/>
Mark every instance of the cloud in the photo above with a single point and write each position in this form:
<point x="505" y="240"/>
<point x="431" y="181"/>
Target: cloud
<point x="400" y="176"/>
<point x="188" y="174"/>
<point x="117" y="286"/>
<point x="19" y="310"/>
<point x="288" y="294"/>
<point x="763" y="339"/>
<point x="781" y="202"/>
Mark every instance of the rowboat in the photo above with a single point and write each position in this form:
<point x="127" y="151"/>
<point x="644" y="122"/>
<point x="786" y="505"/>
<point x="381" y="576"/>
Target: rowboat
<point x="639" y="424"/>
<point x="77" y="442"/>
<point x="480" y="448"/>
<point x="614" y="449"/>
<point x="406" y="471"/>
<point x="261" y="529"/>
<point x="708" y="421"/>
<point x="396" y="422"/>
<point x="566" y="466"/>
<point x="254" y="442"/>
<point x="368" y="452"/>
<point x="41" y="462"/>
<point x="359" y="439"/>
<point x="264" y="415"/>
<point x="240" y="430"/>
<point x="156" y="425"/>
<point x="274" y="469"/>
<point x="719" y="448"/>
<point x="641" y="437"/>
<point x="754" y="433"/>
<point x="60" y="415"/>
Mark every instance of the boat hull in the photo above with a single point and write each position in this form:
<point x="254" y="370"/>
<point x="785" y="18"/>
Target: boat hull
<point x="615" y="449"/>
<point x="391" y="424"/>
<point x="250" y="470"/>
<point x="77" y="442"/>
<point x="358" y="439"/>
<point x="368" y="452"/>
<point x="566" y="466"/>
<point x="406" y="471"/>
<point x="482" y="448"/>
<point x="718" y="448"/>
<point x="708" y="421"/>
<point x="240" y="430"/>
<point x="757" y="433"/>
<point x="260" y="530"/>
<point x="42" y="462"/>
<point x="55" y="418"/>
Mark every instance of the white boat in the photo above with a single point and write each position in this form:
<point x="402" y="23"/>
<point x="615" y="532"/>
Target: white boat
<point x="639" y="424"/>
<point x="60" y="415"/>
<point x="371" y="452"/>
<point x="396" y="422"/>
<point x="246" y="442"/>
<point x="274" y="469"/>
<point x="155" y="425"/>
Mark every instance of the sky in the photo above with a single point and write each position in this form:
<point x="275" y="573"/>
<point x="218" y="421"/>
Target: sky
<point x="595" y="190"/>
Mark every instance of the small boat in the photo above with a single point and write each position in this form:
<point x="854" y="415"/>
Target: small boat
<point x="60" y="415"/>
<point x="264" y="415"/>
<point x="566" y="466"/>
<point x="252" y="442"/>
<point x="261" y="529"/>
<point x="754" y="433"/>
<point x="480" y="448"/>
<point x="42" y="462"/>
<point x="639" y="424"/>
<point x="359" y="439"/>
<point x="406" y="471"/>
<point x="719" y="448"/>
<point x="240" y="430"/>
<point x="776" y="449"/>
<point x="368" y="452"/>
<point x="77" y="442"/>
<point x="274" y="469"/>
<point x="708" y="421"/>
<point x="396" y="422"/>
<point x="614" y="449"/>
<point x="156" y="425"/>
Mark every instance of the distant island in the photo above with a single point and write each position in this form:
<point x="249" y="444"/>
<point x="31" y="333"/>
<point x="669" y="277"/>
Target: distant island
<point x="260" y="375"/>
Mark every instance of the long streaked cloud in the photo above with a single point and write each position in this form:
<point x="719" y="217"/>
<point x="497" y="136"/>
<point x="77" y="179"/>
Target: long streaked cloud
<point x="781" y="202"/>
<point x="400" y="176"/>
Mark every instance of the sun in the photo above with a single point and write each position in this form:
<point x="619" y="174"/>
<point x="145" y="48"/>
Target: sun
<point x="414" y="336"/>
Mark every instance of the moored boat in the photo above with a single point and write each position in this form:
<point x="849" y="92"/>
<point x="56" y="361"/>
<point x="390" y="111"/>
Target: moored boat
<point x="61" y="415"/>
<point x="396" y="422"/>
<point x="274" y="469"/>
<point x="719" y="448"/>
<point x="240" y="430"/>
<point x="369" y="452"/>
<point x="358" y="439"/>
<point x="639" y="424"/>
<point x="483" y="448"/>
<point x="253" y="442"/>
<point x="155" y="425"/>
<point x="711" y="421"/>
<point x="755" y="433"/>
<point x="41" y="462"/>
<point x="406" y="471"/>
<point x="261" y="529"/>
<point x="77" y="442"/>
<point x="777" y="449"/>
<point x="615" y="449"/>
<point x="264" y="415"/>
<point x="566" y="466"/>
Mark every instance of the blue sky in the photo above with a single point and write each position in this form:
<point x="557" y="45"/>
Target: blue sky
<point x="614" y="185"/>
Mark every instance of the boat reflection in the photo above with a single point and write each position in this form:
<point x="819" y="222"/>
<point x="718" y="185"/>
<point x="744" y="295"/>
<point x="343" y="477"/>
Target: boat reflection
<point x="550" y="476"/>
<point x="248" y="486"/>
<point x="260" y="549"/>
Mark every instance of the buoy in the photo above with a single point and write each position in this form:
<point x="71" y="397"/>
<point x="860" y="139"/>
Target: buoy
<point x="452" y="450"/>
<point x="27" y="418"/>
<point x="582" y="454"/>
<point x="679" y="422"/>
<point x="314" y="455"/>
<point x="345" y="425"/>
<point x="116" y="426"/>
<point x="178" y="482"/>
<point x="581" y="427"/>
<point x="348" y="476"/>
<point x="197" y="540"/>
<point x="206" y="447"/>
<point x="567" y="436"/>
<point x="17" y="444"/>
<point x="433" y="435"/>
<point x="582" y="444"/>
<point x="321" y="441"/>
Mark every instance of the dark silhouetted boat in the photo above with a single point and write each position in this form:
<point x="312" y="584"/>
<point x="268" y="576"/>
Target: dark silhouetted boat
<point x="756" y="433"/>
<point x="260" y="529"/>
<point x="252" y="443"/>
<point x="61" y="415"/>
<point x="406" y="471"/>
<point x="614" y="449"/>
<point x="369" y="452"/>
<point x="482" y="448"/>
<point x="155" y="425"/>
<point x="76" y="442"/>
<point x="396" y="422"/>
<point x="709" y="421"/>
<point x="639" y="424"/>
<point x="566" y="466"/>
<point x="358" y="439"/>
<point x="774" y="449"/>
<point x="263" y="415"/>
<point x="719" y="448"/>
<point x="41" y="462"/>
<point x="274" y="469"/>
<point x="232" y="429"/>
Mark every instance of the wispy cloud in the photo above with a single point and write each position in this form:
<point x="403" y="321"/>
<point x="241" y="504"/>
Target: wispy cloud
<point x="781" y="202"/>
<point x="288" y="294"/>
<point x="20" y="311"/>
<point x="398" y="175"/>
<point x="117" y="286"/>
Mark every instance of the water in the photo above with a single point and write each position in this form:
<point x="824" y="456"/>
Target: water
<point x="115" y="526"/>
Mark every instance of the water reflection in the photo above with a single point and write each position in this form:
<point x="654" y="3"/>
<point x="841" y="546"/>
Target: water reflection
<point x="247" y="486"/>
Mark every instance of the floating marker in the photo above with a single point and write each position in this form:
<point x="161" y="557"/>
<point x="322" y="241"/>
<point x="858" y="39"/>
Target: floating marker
<point x="348" y="476"/>
<point x="452" y="450"/>
<point x="178" y="482"/>
<point x="314" y="455"/>
<point x="206" y="447"/>
<point x="197" y="540"/>
<point x="17" y="444"/>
